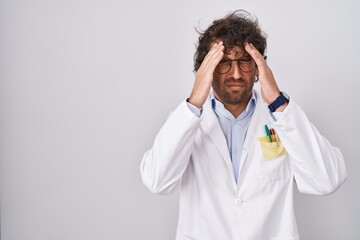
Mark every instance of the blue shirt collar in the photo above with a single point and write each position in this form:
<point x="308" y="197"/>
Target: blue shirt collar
<point x="219" y="108"/>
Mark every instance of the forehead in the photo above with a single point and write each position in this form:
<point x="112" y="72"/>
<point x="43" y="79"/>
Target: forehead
<point x="235" y="52"/>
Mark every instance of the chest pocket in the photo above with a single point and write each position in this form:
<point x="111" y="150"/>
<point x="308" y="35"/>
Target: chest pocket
<point x="274" y="163"/>
<point x="276" y="168"/>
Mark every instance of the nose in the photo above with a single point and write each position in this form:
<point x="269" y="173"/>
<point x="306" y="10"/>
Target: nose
<point x="235" y="71"/>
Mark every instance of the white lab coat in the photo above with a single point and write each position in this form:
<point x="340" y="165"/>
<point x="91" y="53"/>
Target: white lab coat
<point x="191" y="154"/>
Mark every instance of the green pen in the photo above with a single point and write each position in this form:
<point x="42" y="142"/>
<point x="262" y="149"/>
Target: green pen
<point x="268" y="132"/>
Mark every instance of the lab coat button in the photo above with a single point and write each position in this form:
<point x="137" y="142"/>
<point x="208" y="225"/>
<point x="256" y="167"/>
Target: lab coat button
<point x="239" y="202"/>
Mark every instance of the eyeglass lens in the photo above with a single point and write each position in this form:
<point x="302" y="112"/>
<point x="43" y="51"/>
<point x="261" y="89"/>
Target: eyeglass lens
<point x="245" y="65"/>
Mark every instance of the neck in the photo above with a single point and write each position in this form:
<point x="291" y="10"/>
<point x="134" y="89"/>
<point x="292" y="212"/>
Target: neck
<point x="236" y="109"/>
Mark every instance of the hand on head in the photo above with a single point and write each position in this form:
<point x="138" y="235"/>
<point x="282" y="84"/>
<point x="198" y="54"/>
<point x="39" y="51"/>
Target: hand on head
<point x="204" y="75"/>
<point x="269" y="89"/>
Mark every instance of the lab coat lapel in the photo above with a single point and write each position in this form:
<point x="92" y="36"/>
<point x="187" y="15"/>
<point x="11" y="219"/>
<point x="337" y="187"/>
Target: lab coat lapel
<point x="255" y="129"/>
<point x="212" y="127"/>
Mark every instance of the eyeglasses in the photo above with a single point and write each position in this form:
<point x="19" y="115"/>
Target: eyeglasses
<point x="246" y="64"/>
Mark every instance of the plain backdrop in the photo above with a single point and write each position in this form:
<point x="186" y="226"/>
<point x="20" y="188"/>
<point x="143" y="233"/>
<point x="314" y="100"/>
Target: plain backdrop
<point x="86" y="85"/>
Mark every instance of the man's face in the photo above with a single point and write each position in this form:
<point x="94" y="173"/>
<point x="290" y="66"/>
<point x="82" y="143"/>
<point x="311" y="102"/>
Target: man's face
<point x="235" y="86"/>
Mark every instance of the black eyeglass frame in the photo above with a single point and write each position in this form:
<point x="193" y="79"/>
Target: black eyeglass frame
<point x="229" y="63"/>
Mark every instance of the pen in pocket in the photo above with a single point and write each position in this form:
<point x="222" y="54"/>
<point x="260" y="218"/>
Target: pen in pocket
<point x="274" y="135"/>
<point x="268" y="132"/>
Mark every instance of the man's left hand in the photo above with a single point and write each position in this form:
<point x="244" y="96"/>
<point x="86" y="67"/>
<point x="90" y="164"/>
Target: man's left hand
<point x="269" y="89"/>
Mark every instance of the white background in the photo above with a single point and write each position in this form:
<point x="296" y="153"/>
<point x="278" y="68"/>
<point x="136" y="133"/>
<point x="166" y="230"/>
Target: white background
<point x="86" y="85"/>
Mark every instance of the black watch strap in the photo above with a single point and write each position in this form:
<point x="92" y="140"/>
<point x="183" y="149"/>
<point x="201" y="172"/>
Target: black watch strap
<point x="280" y="100"/>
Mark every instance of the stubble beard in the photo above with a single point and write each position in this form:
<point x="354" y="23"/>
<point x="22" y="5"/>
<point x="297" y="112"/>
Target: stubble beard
<point x="234" y="97"/>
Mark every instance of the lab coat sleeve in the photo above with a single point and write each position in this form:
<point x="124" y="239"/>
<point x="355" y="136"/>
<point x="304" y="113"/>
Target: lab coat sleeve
<point x="318" y="166"/>
<point x="164" y="164"/>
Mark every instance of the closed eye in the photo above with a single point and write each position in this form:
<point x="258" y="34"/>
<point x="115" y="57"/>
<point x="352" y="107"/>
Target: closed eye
<point x="225" y="61"/>
<point x="246" y="59"/>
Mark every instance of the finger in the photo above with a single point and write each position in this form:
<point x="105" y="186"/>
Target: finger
<point x="214" y="56"/>
<point x="215" y="50"/>
<point x="217" y="55"/>
<point x="255" y="54"/>
<point x="216" y="42"/>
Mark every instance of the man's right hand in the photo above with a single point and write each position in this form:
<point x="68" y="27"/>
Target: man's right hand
<point x="204" y="75"/>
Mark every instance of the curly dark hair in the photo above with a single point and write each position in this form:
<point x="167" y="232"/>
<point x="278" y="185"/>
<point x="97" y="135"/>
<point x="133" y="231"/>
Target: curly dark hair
<point x="235" y="29"/>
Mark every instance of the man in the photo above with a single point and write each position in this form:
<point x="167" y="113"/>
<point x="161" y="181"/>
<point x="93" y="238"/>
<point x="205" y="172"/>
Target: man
<point x="234" y="153"/>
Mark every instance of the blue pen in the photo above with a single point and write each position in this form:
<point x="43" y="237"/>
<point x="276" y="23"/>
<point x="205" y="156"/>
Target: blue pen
<point x="268" y="132"/>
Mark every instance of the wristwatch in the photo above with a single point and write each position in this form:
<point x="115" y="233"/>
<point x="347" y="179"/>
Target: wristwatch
<point x="280" y="100"/>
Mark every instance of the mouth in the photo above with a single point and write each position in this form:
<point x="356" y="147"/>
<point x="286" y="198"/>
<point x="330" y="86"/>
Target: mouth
<point x="236" y="86"/>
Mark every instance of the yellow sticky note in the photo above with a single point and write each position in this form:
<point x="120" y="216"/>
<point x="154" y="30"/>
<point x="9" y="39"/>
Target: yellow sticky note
<point x="271" y="149"/>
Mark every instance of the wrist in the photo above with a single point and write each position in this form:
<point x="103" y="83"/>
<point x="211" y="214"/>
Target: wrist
<point x="282" y="107"/>
<point x="280" y="103"/>
<point x="192" y="101"/>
